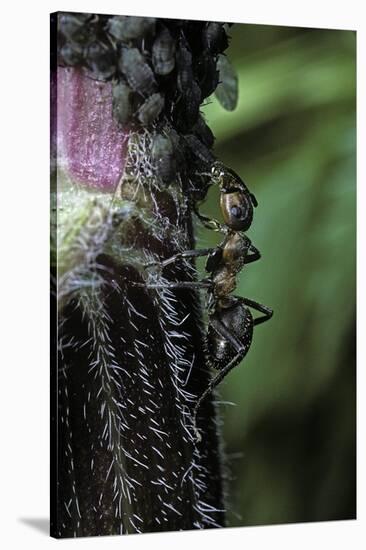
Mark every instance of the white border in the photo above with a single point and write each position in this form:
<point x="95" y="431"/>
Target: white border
<point x="24" y="393"/>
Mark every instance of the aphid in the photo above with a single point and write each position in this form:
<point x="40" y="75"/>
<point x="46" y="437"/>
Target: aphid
<point x="126" y="28"/>
<point x="122" y="102"/>
<point x="71" y="54"/>
<point x="163" y="53"/>
<point x="73" y="27"/>
<point x="151" y="109"/>
<point x="203" y="131"/>
<point x="207" y="73"/>
<point x="227" y="90"/>
<point x="100" y="59"/>
<point x="175" y="23"/>
<point x="187" y="108"/>
<point x="193" y="32"/>
<point x="199" y="149"/>
<point x="184" y="66"/>
<point x="214" y="37"/>
<point x="178" y="149"/>
<point x="193" y="101"/>
<point x="138" y="73"/>
<point x="162" y="152"/>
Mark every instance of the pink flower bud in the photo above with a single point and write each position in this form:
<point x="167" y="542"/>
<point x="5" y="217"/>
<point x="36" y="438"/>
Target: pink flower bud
<point x="91" y="147"/>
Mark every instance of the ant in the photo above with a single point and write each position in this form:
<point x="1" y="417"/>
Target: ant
<point x="230" y="321"/>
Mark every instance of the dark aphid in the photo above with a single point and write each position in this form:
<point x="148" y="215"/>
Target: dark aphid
<point x="186" y="109"/>
<point x="82" y="17"/>
<point x="199" y="149"/>
<point x="193" y="32"/>
<point x="162" y="153"/>
<point x="122" y="102"/>
<point x="126" y="28"/>
<point x="138" y="73"/>
<point x="151" y="109"/>
<point x="184" y="66"/>
<point x="163" y="53"/>
<point x="215" y="38"/>
<point x="100" y="59"/>
<point x="192" y="101"/>
<point x="161" y="146"/>
<point x="175" y="24"/>
<point x="71" y="54"/>
<point x="207" y="73"/>
<point x="73" y="27"/>
<point x="178" y="149"/>
<point x="227" y="90"/>
<point x="203" y="131"/>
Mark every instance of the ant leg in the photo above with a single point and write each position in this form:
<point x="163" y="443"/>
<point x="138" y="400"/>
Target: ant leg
<point x="241" y="350"/>
<point x="253" y="254"/>
<point x="254" y="200"/>
<point x="223" y="331"/>
<point x="267" y="311"/>
<point x="210" y="223"/>
<point x="180" y="255"/>
<point x="212" y="385"/>
<point x="179" y="284"/>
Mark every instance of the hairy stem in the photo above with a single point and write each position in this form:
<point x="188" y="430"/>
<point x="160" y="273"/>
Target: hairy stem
<point x="131" y="360"/>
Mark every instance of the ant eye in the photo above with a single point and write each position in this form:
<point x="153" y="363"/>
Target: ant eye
<point x="236" y="211"/>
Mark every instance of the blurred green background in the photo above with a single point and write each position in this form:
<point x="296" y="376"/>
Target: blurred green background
<point x="290" y="439"/>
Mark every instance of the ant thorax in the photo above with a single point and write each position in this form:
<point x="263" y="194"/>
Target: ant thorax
<point x="234" y="252"/>
<point x="226" y="262"/>
<point x="224" y="281"/>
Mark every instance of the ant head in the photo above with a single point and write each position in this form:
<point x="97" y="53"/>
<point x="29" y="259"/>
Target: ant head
<point x="236" y="200"/>
<point x="237" y="210"/>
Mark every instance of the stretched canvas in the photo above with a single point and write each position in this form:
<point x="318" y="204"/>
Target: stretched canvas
<point x="202" y="274"/>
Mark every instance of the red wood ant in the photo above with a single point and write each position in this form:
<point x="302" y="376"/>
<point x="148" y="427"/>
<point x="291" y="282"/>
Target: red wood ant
<point x="230" y="321"/>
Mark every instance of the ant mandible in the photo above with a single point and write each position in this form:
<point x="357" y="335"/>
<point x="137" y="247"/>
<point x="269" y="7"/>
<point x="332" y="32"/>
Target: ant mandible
<point x="230" y="321"/>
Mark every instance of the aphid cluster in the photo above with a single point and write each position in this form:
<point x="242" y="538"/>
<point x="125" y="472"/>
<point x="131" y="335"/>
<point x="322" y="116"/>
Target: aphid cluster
<point x="159" y="67"/>
<point x="161" y="71"/>
<point x="230" y="321"/>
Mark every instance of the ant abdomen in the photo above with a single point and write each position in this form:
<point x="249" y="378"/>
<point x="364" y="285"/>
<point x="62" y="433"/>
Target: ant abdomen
<point x="229" y="335"/>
